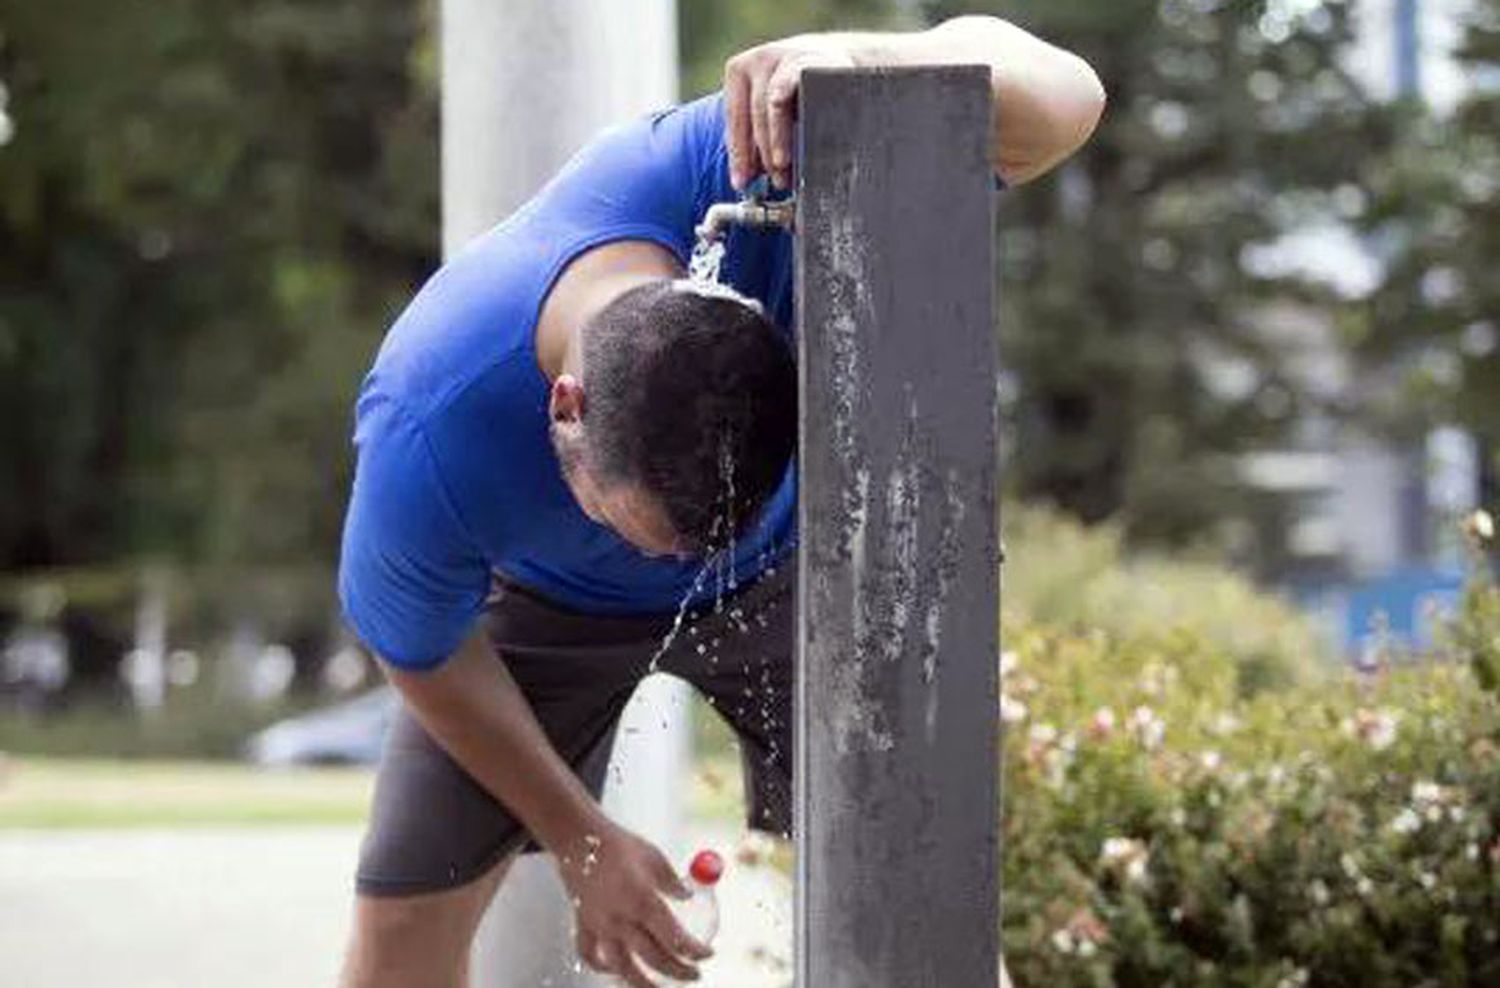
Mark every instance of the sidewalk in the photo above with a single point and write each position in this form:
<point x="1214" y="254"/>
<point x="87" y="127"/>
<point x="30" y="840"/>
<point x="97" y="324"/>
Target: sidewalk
<point x="245" y="908"/>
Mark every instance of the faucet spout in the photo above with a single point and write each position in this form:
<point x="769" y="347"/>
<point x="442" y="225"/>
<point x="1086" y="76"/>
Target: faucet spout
<point x="754" y="213"/>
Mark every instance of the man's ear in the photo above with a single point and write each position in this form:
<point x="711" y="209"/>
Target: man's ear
<point x="565" y="402"/>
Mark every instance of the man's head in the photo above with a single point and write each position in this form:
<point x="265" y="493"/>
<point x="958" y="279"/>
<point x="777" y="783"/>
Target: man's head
<point x="682" y="417"/>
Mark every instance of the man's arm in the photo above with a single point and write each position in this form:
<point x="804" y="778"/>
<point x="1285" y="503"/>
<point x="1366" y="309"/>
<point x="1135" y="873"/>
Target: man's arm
<point x="1047" y="100"/>
<point x="472" y="706"/>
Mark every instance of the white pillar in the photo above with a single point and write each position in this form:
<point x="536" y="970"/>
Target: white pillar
<point x="525" y="84"/>
<point x="528" y="82"/>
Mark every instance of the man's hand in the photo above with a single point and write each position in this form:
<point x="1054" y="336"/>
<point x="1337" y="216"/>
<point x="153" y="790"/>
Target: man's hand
<point x="760" y="92"/>
<point x="617" y="881"/>
<point x="1047" y="100"/>
<point x="472" y="706"/>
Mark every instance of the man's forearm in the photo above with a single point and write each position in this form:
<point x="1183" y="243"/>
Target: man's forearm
<point x="1047" y="100"/>
<point x="473" y="708"/>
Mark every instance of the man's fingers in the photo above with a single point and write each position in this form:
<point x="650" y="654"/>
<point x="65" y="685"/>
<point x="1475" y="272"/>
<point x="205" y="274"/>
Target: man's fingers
<point x="760" y="119"/>
<point x="662" y="924"/>
<point x="781" y="102"/>
<point x="625" y="966"/>
<point x="647" y="949"/>
<point x="737" y="126"/>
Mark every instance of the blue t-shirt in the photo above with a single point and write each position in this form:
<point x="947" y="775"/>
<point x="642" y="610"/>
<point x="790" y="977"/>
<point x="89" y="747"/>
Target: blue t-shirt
<point x="456" y="474"/>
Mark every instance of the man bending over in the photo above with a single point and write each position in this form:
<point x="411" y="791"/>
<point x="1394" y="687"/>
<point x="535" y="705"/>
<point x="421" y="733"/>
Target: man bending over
<point x="560" y="442"/>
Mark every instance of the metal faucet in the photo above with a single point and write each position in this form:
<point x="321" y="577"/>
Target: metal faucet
<point x="752" y="211"/>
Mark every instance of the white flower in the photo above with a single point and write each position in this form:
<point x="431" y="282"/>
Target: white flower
<point x="1126" y="854"/>
<point x="1427" y="880"/>
<point x="1318" y="892"/>
<point x="1364" y="887"/>
<point x="1225" y="723"/>
<point x="1406" y="822"/>
<point x="1102" y="724"/>
<point x="1148" y="727"/>
<point x="1210" y="760"/>
<point x="1297" y="979"/>
<point x="1011" y="711"/>
<point x="1042" y="733"/>
<point x="1377" y="728"/>
<point x="1063" y="942"/>
<point x="1008" y="663"/>
<point x="1086" y="948"/>
<point x="1481" y="525"/>
<point x="1423" y="791"/>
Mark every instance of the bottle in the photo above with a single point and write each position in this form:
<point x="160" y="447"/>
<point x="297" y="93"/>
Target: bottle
<point x="699" y="915"/>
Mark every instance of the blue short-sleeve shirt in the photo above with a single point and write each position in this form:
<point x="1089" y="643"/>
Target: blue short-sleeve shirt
<point x="456" y="476"/>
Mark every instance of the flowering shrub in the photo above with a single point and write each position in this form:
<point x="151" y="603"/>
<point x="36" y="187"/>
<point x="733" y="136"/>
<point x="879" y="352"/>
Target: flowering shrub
<point x="1165" y="826"/>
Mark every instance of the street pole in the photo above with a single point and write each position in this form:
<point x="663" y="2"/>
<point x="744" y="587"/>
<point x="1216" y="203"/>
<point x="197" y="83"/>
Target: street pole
<point x="898" y="609"/>
<point x="525" y="83"/>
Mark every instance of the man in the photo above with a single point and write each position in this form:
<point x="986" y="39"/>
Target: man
<point x="561" y="443"/>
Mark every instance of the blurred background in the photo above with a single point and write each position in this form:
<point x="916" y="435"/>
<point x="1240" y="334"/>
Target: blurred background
<point x="1251" y="339"/>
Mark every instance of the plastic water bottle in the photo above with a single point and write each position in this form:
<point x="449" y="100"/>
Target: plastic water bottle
<point x="699" y="915"/>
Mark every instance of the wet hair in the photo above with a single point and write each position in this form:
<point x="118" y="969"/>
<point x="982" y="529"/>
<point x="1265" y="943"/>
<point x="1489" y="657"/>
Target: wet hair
<point x="692" y="395"/>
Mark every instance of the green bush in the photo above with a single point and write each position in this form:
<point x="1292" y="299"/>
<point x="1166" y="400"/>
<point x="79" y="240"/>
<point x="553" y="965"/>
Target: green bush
<point x="1062" y="575"/>
<point x="1164" y="826"/>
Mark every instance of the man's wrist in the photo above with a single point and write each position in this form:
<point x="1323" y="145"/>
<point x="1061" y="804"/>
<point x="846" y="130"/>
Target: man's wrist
<point x="572" y="832"/>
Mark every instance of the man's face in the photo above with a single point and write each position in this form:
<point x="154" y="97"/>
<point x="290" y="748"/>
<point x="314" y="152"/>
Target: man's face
<point x="626" y="509"/>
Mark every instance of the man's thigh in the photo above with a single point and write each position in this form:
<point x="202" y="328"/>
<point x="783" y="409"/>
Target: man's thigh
<point x="432" y="827"/>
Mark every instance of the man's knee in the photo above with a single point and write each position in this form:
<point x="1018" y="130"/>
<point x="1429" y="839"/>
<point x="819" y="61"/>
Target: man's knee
<point x="416" y="941"/>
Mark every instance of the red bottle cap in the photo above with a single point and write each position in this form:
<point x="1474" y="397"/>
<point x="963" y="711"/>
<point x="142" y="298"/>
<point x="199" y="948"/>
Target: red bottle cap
<point x="707" y="867"/>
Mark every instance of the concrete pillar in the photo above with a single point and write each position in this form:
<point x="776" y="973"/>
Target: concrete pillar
<point x="898" y="609"/>
<point x="525" y="84"/>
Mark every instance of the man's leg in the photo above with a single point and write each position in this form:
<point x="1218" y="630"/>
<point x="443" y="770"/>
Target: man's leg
<point x="438" y="844"/>
<point x="418" y="941"/>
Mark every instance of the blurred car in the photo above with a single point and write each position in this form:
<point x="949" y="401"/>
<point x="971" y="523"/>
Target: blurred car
<point x="348" y="733"/>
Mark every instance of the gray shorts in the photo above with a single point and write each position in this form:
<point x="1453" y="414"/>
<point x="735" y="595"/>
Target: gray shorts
<point x="432" y="827"/>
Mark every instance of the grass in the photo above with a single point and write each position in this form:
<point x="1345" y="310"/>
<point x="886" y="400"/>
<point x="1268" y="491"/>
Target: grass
<point x="48" y="793"/>
<point x="39" y="792"/>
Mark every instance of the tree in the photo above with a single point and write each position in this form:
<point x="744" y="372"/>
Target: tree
<point x="1134" y="328"/>
<point x="1436" y="316"/>
<point x="209" y="211"/>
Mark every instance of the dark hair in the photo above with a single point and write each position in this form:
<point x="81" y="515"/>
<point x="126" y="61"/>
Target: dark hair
<point x="693" y="396"/>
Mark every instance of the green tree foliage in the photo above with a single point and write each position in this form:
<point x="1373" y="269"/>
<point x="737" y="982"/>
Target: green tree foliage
<point x="1125" y="283"/>
<point x="713" y="31"/>
<point x="1437" y="315"/>
<point x="209" y="210"/>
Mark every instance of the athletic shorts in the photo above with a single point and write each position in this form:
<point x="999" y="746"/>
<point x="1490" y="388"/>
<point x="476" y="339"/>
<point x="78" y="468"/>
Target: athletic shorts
<point x="432" y="827"/>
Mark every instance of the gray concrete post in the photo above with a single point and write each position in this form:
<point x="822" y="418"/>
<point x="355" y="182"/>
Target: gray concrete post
<point x="898" y="610"/>
<point x="525" y="84"/>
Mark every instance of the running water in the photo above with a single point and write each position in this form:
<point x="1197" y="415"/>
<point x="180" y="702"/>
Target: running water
<point x="707" y="258"/>
<point x="682" y="609"/>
